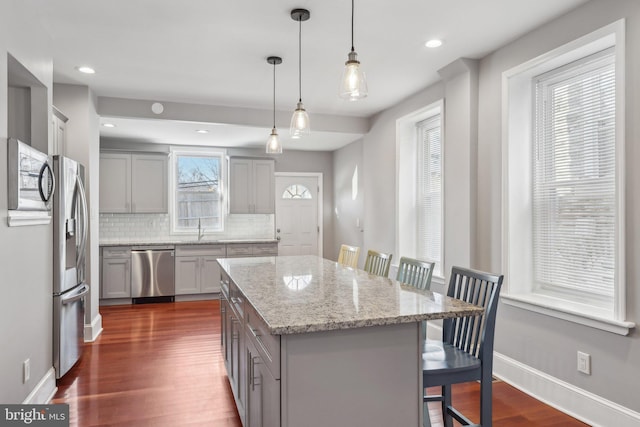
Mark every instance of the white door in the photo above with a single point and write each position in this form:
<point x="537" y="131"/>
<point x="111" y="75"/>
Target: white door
<point x="297" y="203"/>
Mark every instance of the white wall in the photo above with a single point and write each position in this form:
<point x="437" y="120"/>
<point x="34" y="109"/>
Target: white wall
<point x="26" y="253"/>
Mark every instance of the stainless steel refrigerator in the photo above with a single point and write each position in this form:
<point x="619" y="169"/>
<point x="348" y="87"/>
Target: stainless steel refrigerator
<point x="70" y="228"/>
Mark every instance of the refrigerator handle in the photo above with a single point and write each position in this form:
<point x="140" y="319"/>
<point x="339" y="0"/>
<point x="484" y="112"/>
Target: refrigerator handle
<point x="85" y="222"/>
<point x="83" y="290"/>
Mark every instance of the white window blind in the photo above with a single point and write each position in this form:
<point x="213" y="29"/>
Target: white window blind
<point x="574" y="191"/>
<point x="429" y="197"/>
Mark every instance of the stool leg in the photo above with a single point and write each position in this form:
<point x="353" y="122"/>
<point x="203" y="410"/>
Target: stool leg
<point x="486" y="391"/>
<point x="446" y="402"/>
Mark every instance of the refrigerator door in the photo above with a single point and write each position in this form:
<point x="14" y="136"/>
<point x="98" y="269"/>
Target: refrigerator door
<point x="70" y="220"/>
<point x="68" y="328"/>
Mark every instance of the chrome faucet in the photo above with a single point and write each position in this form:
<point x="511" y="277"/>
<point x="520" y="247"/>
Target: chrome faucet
<point x="200" y="230"/>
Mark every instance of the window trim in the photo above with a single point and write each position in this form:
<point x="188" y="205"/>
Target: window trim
<point x="517" y="129"/>
<point x="406" y="183"/>
<point x="196" y="151"/>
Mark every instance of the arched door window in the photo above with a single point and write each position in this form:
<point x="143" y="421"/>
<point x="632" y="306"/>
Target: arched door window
<point x="296" y="191"/>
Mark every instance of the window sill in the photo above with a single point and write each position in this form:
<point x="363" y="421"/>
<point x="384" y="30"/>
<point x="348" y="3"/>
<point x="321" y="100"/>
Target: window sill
<point x="571" y="312"/>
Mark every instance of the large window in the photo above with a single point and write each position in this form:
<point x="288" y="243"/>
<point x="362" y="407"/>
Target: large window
<point x="197" y="191"/>
<point x="429" y="192"/>
<point x="419" y="204"/>
<point x="574" y="206"/>
<point x="563" y="192"/>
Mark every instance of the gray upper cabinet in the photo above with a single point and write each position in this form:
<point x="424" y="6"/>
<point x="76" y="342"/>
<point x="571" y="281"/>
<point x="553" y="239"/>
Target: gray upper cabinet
<point x="133" y="183"/>
<point x="251" y="186"/>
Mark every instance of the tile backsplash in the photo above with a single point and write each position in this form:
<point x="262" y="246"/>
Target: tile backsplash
<point x="116" y="228"/>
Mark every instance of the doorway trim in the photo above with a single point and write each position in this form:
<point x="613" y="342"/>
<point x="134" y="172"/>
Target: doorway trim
<point x="320" y="203"/>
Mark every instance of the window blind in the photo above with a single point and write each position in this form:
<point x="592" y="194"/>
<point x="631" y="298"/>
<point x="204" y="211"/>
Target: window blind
<point x="429" y="197"/>
<point x="574" y="205"/>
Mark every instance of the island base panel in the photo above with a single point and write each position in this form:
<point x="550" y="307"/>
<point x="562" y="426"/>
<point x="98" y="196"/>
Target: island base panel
<point x="358" y="377"/>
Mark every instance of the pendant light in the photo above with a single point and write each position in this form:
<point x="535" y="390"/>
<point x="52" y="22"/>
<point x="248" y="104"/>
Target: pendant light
<point x="273" y="143"/>
<point x="300" y="118"/>
<point x="354" y="83"/>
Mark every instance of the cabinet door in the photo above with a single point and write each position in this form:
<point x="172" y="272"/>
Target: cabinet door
<point x="115" y="183"/>
<point x="210" y="275"/>
<point x="149" y="183"/>
<point x="237" y="369"/>
<point x="223" y="328"/>
<point x="187" y="275"/>
<point x="254" y="388"/>
<point x="263" y="186"/>
<point x="263" y="392"/>
<point x="58" y="130"/>
<point x="240" y="186"/>
<point x="116" y="278"/>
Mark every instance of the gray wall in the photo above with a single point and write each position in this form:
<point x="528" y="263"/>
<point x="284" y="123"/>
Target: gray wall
<point x="82" y="144"/>
<point x="348" y="212"/>
<point x="307" y="161"/>
<point x="542" y="342"/>
<point x="26" y="266"/>
<point x="379" y="179"/>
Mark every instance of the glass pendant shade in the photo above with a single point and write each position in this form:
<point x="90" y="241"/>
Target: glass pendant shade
<point x="354" y="83"/>
<point x="273" y="143"/>
<point x="299" y="122"/>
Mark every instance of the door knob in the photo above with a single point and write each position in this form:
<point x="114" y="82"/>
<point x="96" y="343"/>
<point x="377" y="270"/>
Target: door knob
<point x="277" y="230"/>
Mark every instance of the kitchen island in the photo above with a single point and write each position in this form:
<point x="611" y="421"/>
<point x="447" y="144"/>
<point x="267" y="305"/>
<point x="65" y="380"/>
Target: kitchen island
<point x="308" y="342"/>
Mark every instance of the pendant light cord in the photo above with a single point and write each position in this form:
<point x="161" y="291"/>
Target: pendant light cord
<point x="300" y="58"/>
<point x="352" y="13"/>
<point x="274" y="94"/>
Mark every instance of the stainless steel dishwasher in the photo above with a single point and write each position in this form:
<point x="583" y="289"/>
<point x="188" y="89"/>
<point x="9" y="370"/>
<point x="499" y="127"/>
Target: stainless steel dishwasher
<point x="152" y="274"/>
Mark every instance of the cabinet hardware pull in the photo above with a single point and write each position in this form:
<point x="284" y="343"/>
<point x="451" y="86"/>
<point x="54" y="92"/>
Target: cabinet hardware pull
<point x="255" y="360"/>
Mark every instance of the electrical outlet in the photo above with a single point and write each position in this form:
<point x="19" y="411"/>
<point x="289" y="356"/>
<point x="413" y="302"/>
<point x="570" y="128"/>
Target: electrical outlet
<point x="584" y="363"/>
<point x="26" y="371"/>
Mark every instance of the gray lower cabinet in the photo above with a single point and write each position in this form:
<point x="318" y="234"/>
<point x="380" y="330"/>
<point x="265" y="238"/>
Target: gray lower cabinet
<point x="251" y="249"/>
<point x="115" y="280"/>
<point x="234" y="342"/>
<point x="197" y="271"/>
<point x="252" y="359"/>
<point x="263" y="373"/>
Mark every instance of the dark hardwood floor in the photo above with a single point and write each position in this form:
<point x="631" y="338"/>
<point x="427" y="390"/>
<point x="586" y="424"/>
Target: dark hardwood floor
<point x="161" y="365"/>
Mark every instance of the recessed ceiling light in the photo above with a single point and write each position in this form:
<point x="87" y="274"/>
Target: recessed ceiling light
<point x="108" y="125"/>
<point x="433" y="43"/>
<point x="202" y="131"/>
<point x="86" y="70"/>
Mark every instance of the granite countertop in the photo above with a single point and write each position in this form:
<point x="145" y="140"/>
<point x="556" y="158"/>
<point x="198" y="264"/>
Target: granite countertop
<point x="300" y="294"/>
<point x="133" y="242"/>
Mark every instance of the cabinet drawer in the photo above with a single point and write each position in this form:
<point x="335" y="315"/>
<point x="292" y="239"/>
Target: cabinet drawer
<point x="265" y="249"/>
<point x="236" y="300"/>
<point x="116" y="252"/>
<point x="239" y="250"/>
<point x="201" y="250"/>
<point x="268" y="345"/>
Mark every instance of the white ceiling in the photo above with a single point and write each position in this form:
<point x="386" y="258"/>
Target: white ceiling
<point x="214" y="52"/>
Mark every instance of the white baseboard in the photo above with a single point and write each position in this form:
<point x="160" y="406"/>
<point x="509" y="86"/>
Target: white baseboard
<point x="93" y="330"/>
<point x="43" y="391"/>
<point x="574" y="401"/>
<point x="581" y="404"/>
